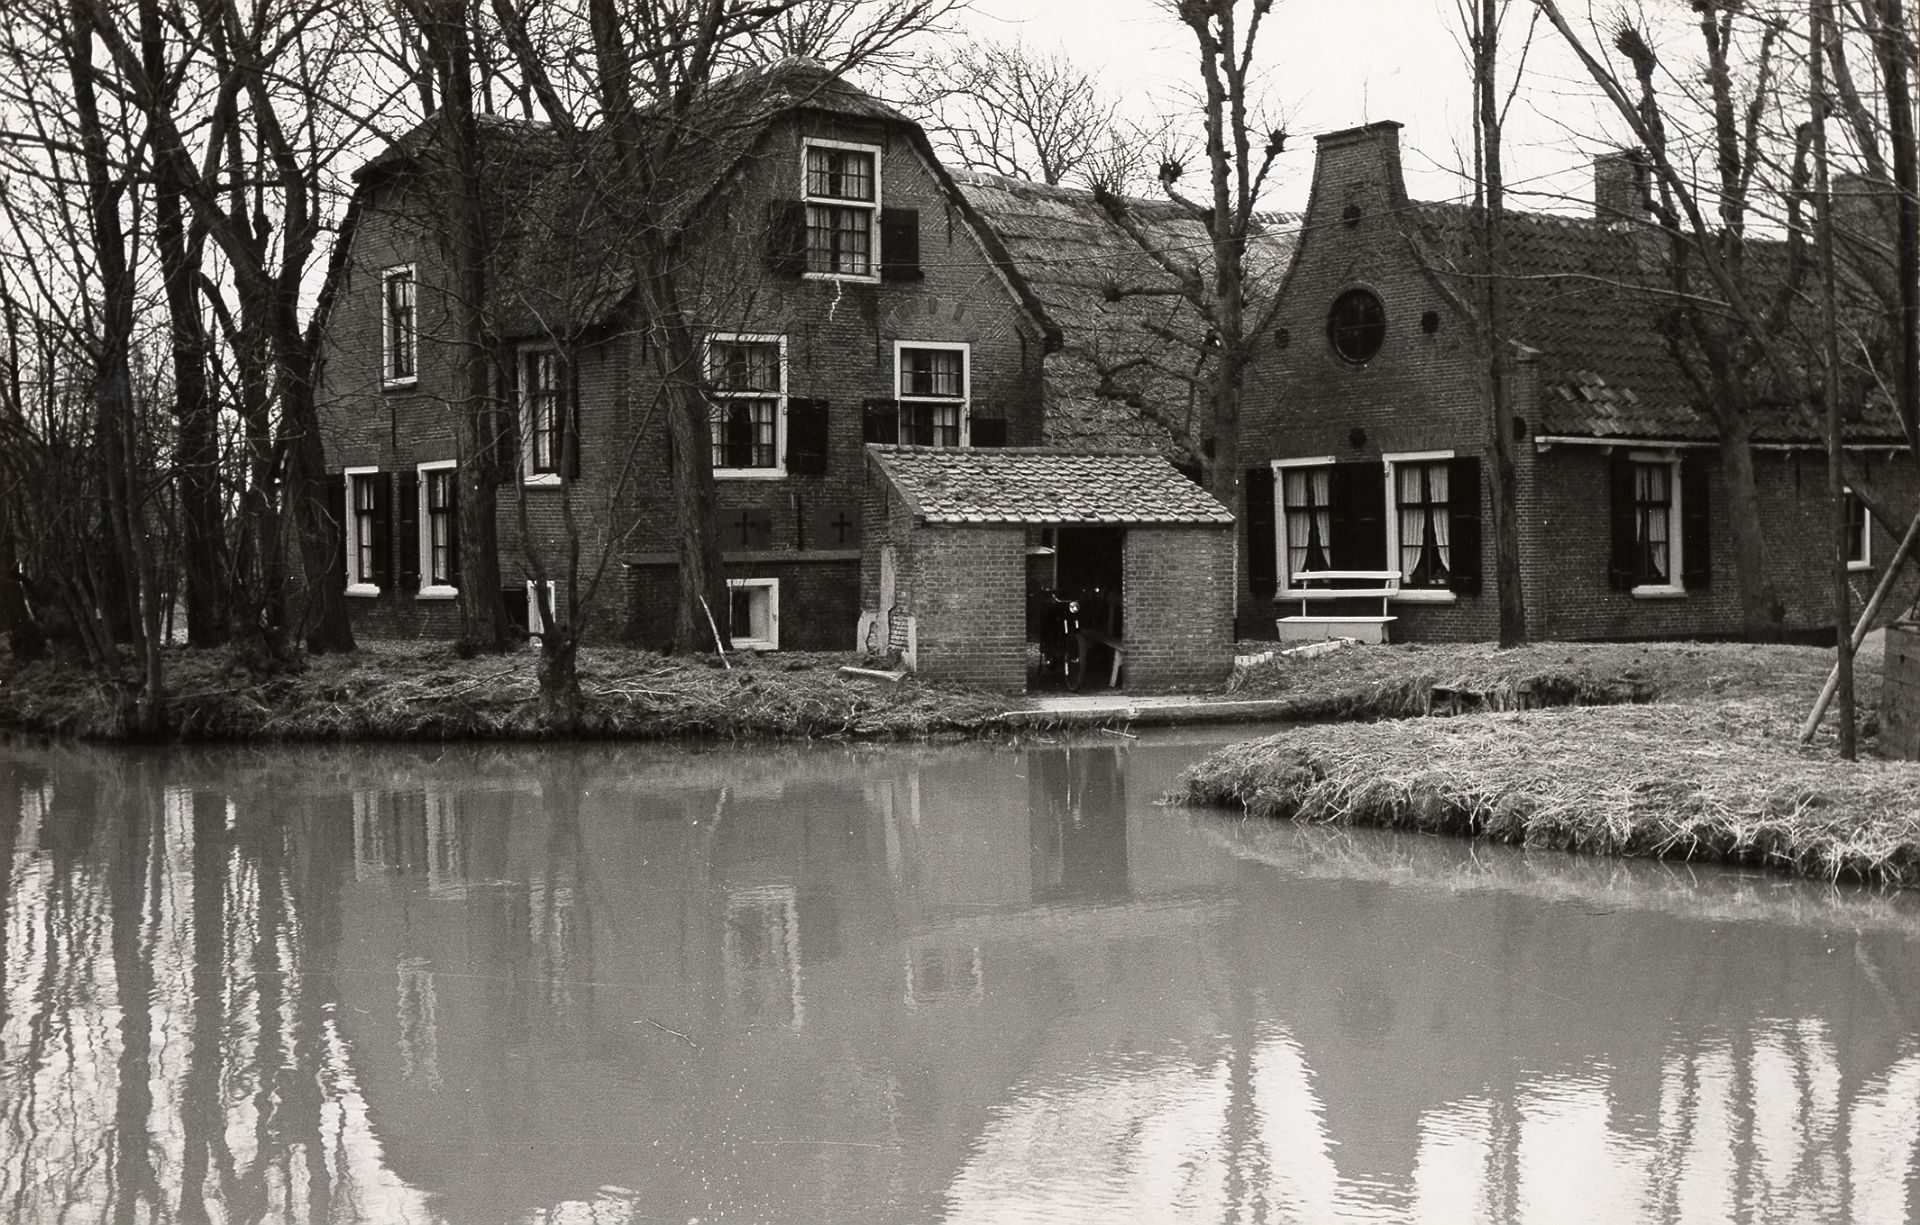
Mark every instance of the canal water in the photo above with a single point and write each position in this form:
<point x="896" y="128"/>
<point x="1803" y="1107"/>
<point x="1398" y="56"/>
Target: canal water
<point x="871" y="984"/>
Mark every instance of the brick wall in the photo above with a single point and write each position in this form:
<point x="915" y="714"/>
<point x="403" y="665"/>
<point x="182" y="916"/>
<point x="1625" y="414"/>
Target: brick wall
<point x="825" y="593"/>
<point x="969" y="599"/>
<point x="1177" y="585"/>
<point x="840" y="339"/>
<point x="1568" y="590"/>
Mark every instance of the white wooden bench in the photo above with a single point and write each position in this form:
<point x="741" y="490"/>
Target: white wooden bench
<point x="1306" y="627"/>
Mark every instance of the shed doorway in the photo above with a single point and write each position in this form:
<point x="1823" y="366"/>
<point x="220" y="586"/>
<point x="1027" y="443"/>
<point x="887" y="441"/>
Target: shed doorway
<point x="1074" y="609"/>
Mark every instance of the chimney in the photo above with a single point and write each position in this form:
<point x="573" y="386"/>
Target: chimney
<point x="1356" y="175"/>
<point x="1619" y="187"/>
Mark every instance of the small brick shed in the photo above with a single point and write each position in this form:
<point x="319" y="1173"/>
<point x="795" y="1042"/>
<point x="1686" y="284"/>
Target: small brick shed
<point x="949" y="532"/>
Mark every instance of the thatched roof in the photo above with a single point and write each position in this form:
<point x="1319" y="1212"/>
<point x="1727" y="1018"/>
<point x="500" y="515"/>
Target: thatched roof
<point x="1124" y="374"/>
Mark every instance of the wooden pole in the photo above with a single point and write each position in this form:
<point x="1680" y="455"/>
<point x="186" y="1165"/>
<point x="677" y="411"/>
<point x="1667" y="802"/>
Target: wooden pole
<point x="1862" y="627"/>
<point x="1819" y="19"/>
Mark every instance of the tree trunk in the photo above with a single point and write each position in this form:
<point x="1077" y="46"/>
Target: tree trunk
<point x="483" y="615"/>
<point x="198" y="460"/>
<point x="328" y="626"/>
<point x="701" y="611"/>
<point x="1762" y="614"/>
<point x="1501" y="472"/>
<point x="559" y="681"/>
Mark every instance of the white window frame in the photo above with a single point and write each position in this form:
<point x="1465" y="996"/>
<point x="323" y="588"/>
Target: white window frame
<point x="1415" y="595"/>
<point x="1865" y="560"/>
<point x="429" y="590"/>
<point x="1281" y="560"/>
<point x="523" y="418"/>
<point x="1675" y="586"/>
<point x="873" y="207"/>
<point x="351" y="528"/>
<point x="387" y="377"/>
<point x="779" y="468"/>
<point x="965" y="349"/>
<point x="772" y="587"/>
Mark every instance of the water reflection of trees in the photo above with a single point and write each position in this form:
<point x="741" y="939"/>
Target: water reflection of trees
<point x="979" y="983"/>
<point x="170" y="1048"/>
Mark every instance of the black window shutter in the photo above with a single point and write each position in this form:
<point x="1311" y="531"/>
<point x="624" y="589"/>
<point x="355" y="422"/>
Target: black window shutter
<point x="453" y="527"/>
<point x="1357" y="517"/>
<point x="806" y="437"/>
<point x="787" y="237"/>
<point x="337" y="511"/>
<point x="406" y="541"/>
<point x="507" y="422"/>
<point x="988" y="431"/>
<point x="1620" y="519"/>
<point x="880" y="421"/>
<point x="900" y="244"/>
<point x="1262" y="570"/>
<point x="1463" y="513"/>
<point x="570" y="423"/>
<point x="382" y="528"/>
<point x="1696" y="516"/>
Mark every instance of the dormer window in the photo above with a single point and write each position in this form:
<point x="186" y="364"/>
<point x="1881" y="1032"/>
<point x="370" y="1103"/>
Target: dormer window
<point x="842" y="199"/>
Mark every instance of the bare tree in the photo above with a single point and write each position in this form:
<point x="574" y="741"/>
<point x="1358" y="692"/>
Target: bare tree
<point x="1016" y="110"/>
<point x="1238" y="159"/>
<point x="1726" y="315"/>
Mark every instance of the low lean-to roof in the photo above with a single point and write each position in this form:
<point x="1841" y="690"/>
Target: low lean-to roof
<point x="1587" y="296"/>
<point x="1043" y="485"/>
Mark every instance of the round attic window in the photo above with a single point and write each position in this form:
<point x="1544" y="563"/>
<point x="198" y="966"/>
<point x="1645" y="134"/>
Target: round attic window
<point x="1357" y="326"/>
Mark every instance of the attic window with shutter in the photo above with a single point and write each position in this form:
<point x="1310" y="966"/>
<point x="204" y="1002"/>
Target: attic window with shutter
<point x="747" y="392"/>
<point x="841" y="194"/>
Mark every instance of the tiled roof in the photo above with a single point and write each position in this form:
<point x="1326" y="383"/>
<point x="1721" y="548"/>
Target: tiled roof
<point x="1119" y="380"/>
<point x="1587" y="297"/>
<point x="1044" y="485"/>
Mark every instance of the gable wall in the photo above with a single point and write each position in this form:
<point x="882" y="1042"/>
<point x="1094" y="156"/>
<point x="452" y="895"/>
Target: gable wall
<point x="1420" y="392"/>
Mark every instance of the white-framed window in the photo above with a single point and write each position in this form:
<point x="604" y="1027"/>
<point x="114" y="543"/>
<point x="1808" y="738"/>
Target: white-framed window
<point x="399" y="330"/>
<point x="1657" y="561"/>
<point x="1306" y="536"/>
<point x="932" y="381"/>
<point x="840" y="185"/>
<point x="363" y="531"/>
<point x="747" y="390"/>
<point x="1421" y="526"/>
<point x="543" y="415"/>
<point x="439" y="539"/>
<point x="1859" y="534"/>
<point x="753" y="613"/>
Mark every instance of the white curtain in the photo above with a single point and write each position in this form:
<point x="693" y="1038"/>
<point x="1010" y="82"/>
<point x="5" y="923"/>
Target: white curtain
<point x="1426" y="526"/>
<point x="1309" y="519"/>
<point x="1440" y="516"/>
<point x="1653" y="498"/>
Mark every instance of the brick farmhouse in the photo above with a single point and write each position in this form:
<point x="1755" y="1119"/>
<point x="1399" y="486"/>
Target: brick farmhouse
<point x="1372" y="417"/>
<point x="847" y="293"/>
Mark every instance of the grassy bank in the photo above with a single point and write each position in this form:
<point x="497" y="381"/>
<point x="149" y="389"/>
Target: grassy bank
<point x="408" y="692"/>
<point x="1713" y="771"/>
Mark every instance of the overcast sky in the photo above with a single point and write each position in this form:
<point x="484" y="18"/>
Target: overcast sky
<point x="1332" y="64"/>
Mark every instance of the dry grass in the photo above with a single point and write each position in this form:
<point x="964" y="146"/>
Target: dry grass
<point x="1397" y="681"/>
<point x="1694" y="780"/>
<point x="421" y="692"/>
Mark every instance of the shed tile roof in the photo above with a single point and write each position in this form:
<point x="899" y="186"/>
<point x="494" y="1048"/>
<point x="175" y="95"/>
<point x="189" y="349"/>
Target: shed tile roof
<point x="1044" y="485"/>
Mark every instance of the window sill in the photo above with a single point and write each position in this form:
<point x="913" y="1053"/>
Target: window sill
<point x="1421" y="595"/>
<point x="437" y="593"/>
<point x="406" y="384"/>
<point x="1859" y="567"/>
<point x="541" y="480"/>
<point x="858" y="278"/>
<point x="754" y="644"/>
<point x="1659" y="593"/>
<point x="748" y="474"/>
<point x="364" y="591"/>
